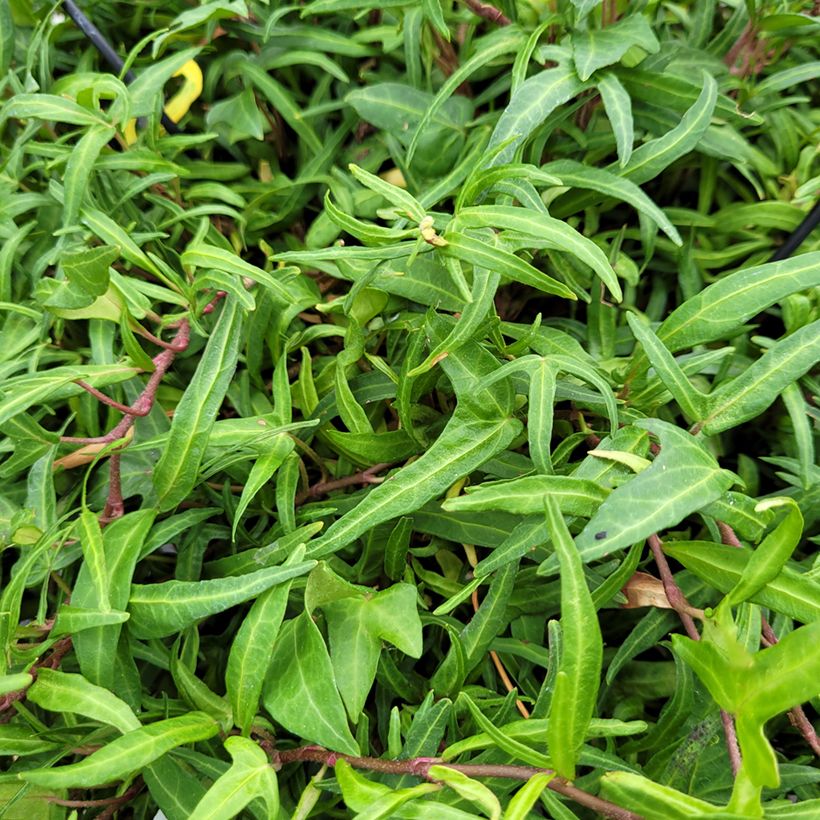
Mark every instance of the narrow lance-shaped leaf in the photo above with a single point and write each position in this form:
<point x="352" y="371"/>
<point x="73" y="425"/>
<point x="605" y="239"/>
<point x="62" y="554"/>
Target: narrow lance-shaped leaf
<point x="128" y="754"/>
<point x="158" y="610"/>
<point x="771" y="554"/>
<point x="465" y="444"/>
<point x="79" y="169"/>
<point x="559" y="235"/>
<point x="252" y="648"/>
<point x="579" y="673"/>
<point x="176" y="473"/>
<point x="578" y="175"/>
<point x="484" y="255"/>
<point x="691" y="401"/>
<point x="734" y="299"/>
<point x="534" y="100"/>
<point x="748" y="395"/>
<point x="618" y="107"/>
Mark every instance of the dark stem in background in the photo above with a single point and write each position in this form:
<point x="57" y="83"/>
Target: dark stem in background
<point x="678" y="601"/>
<point x="801" y="233"/>
<point x="488" y="12"/>
<point x="95" y="37"/>
<point x="420" y="767"/>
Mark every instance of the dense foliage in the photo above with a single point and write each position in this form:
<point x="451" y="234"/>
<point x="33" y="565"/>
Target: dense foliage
<point x="418" y="429"/>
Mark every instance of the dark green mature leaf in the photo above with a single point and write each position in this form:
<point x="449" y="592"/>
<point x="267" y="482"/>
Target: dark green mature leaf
<point x="176" y="473"/>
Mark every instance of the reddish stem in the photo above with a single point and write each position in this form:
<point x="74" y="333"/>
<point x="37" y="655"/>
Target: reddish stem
<point x="420" y="767"/>
<point x="367" y="476"/>
<point x="488" y="12"/>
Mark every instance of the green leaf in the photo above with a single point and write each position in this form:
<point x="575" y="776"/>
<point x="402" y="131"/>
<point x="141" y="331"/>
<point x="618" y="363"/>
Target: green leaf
<point x="262" y="472"/>
<point x="720" y="309"/>
<point x="683" y="478"/>
<point x="652" y="800"/>
<point x="200" y="255"/>
<point x="553" y="232"/>
<point x="618" y="107"/>
<point x="527" y="796"/>
<point x="579" y="674"/>
<point x="300" y="691"/>
<point x="691" y="401"/>
<point x="356" y="628"/>
<point x="87" y="268"/>
<point x="146" y="91"/>
<point x="532" y="102"/>
<point x="49" y="108"/>
<point x="465" y="444"/>
<point x="126" y="755"/>
<point x="771" y="555"/>
<point x="578" y="175"/>
<point x="250" y="776"/>
<point x="487" y="256"/>
<point x="598" y="48"/>
<point x="748" y="395"/>
<point x="79" y="169"/>
<point x="652" y="157"/>
<point x="526" y="496"/>
<point x="61" y="692"/>
<point x="468" y="789"/>
<point x="158" y="610"/>
<point x="252" y="648"/>
<point x="176" y="472"/>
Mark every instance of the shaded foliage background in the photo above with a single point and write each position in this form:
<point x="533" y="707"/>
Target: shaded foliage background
<point x="403" y="405"/>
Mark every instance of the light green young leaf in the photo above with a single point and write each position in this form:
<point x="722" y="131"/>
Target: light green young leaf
<point x="396" y="196"/>
<point x="91" y="540"/>
<point x="722" y="567"/>
<point x="527" y="796"/>
<point x="300" y="690"/>
<point x="652" y="800"/>
<point x="158" y="610"/>
<point x="579" y="674"/>
<point x="250" y="776"/>
<point x="128" y="754"/>
<point x="771" y="554"/>
<point x="468" y="789"/>
<point x="63" y="692"/>
<point x="146" y="90"/>
<point x="176" y="472"/>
